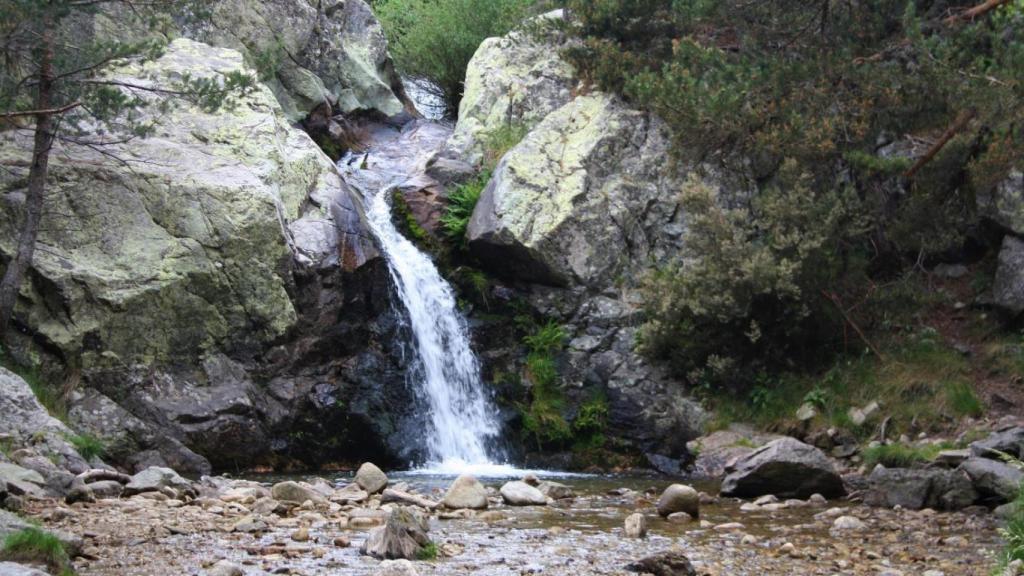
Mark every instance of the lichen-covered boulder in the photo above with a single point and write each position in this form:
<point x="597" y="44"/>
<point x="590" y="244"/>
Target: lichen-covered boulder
<point x="312" y="52"/>
<point x="167" y="274"/>
<point x="587" y="193"/>
<point x="512" y="83"/>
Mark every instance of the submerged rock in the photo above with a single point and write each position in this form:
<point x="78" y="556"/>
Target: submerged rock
<point x="403" y="536"/>
<point x="371" y="478"/>
<point x="679" y="498"/>
<point x="519" y="493"/>
<point x="786" y="468"/>
<point x="670" y="563"/>
<point x="465" y="492"/>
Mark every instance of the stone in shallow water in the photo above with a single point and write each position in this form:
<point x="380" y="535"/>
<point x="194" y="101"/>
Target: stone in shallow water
<point x="465" y="492"/>
<point x="785" y="467"/>
<point x="518" y="493"/>
<point x="371" y="478"/>
<point x="679" y="498"/>
<point x="636" y="526"/>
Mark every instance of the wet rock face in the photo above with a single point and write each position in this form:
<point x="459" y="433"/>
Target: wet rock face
<point x="786" y="468"/>
<point x="332" y="51"/>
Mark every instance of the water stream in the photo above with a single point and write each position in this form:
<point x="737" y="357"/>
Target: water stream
<point x="462" y="431"/>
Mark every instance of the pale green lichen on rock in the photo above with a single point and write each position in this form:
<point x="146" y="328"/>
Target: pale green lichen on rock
<point x="515" y="80"/>
<point x="183" y="253"/>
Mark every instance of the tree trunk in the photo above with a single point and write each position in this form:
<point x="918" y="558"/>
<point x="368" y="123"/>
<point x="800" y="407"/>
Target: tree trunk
<point x="44" y="137"/>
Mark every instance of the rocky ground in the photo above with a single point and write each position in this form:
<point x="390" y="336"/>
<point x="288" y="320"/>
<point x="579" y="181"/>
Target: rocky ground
<point x="244" y="527"/>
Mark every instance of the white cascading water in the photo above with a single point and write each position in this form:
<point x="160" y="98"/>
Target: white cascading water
<point x="462" y="427"/>
<point x="461" y="415"/>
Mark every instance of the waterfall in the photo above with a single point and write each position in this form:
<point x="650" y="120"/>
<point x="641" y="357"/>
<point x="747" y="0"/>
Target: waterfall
<point x="444" y="369"/>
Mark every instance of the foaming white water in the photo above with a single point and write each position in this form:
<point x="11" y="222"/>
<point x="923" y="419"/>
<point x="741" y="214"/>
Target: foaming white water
<point x="461" y="417"/>
<point x="455" y="467"/>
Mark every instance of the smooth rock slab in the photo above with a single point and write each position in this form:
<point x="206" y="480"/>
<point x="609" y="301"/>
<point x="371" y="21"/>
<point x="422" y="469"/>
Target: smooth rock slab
<point x="519" y="493"/>
<point x="915" y="489"/>
<point x="465" y="492"/>
<point x="786" y="468"/>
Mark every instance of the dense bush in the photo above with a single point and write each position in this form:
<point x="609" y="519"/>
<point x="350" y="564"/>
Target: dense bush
<point x="434" y="40"/>
<point x="819" y="90"/>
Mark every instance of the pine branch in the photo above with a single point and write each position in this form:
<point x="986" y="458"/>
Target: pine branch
<point x="46" y="112"/>
<point x="979" y="10"/>
<point x="955" y="128"/>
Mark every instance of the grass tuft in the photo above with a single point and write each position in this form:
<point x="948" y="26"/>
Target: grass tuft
<point x="428" y="552"/>
<point x="461" y="203"/>
<point x="902" y="455"/>
<point x="88" y="446"/>
<point x="37" y="546"/>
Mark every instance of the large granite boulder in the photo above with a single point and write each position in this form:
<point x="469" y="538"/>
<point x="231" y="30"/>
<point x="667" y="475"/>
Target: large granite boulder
<point x="168" y="276"/>
<point x="312" y="52"/>
<point x="587" y="193"/>
<point x="995" y="480"/>
<point x="915" y="489"/>
<point x="512" y="82"/>
<point x="786" y="468"/>
<point x="24" y="422"/>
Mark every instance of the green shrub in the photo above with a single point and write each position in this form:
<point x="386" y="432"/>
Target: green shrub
<point x="962" y="399"/>
<point x="1013" y="532"/>
<point x="35" y="545"/>
<point x="459" y="209"/>
<point x="88" y="446"/>
<point x="434" y="40"/>
<point x="747" y="293"/>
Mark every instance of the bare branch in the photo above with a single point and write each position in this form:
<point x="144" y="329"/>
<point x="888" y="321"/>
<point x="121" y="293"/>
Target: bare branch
<point x="46" y="112"/>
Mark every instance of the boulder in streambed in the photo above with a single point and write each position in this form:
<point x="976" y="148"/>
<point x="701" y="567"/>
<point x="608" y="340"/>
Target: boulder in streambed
<point x="403" y="536"/>
<point x="517" y="493"/>
<point x="915" y="489"/>
<point x="371" y="478"/>
<point x="992" y="479"/>
<point x="295" y="492"/>
<point x="679" y="498"/>
<point x="786" y="468"/>
<point x="555" y="490"/>
<point x="465" y="492"/>
<point x="669" y="563"/>
<point x="163" y="480"/>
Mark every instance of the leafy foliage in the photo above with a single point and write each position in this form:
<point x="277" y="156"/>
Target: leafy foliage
<point x="800" y="92"/>
<point x="434" y="40"/>
<point x="543" y="417"/>
<point x="459" y="209"/>
<point x="747" y="291"/>
<point x="88" y="446"/>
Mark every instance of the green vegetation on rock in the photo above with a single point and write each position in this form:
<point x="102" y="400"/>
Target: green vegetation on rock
<point x="543" y="416"/>
<point x="459" y="209"/>
<point x="1013" y="532"/>
<point x="88" y="446"/>
<point x="35" y="545"/>
<point x="434" y="40"/>
<point x="902" y="455"/>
